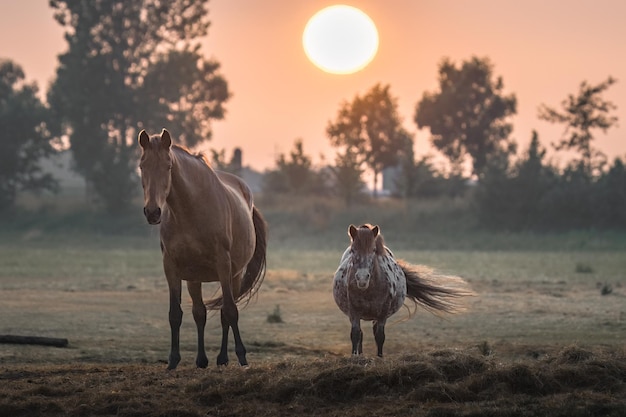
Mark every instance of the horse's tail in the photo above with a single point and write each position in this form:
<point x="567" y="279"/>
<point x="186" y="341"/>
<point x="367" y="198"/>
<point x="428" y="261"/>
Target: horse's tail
<point x="436" y="293"/>
<point x="255" y="271"/>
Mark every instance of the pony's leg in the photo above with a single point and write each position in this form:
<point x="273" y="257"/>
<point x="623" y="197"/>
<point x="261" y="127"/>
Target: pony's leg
<point x="199" y="316"/>
<point x="356" y="335"/>
<point x="379" y="335"/>
<point x="176" y="319"/>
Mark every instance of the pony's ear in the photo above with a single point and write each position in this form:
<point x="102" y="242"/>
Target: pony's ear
<point x="166" y="140"/>
<point x="352" y="231"/>
<point x="143" y="139"/>
<point x="375" y="230"/>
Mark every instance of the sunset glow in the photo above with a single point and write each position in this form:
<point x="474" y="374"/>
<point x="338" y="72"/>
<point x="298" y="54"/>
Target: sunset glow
<point x="340" y="39"/>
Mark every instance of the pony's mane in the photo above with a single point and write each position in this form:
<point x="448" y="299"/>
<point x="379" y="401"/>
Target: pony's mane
<point x="365" y="238"/>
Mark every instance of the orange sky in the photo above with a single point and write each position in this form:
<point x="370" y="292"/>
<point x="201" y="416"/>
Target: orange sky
<point x="542" y="49"/>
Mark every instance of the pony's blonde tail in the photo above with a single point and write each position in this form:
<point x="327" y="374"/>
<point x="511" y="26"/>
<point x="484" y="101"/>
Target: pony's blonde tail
<point x="255" y="271"/>
<point x="436" y="293"/>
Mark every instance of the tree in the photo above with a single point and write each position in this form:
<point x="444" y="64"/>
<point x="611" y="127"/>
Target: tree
<point x="294" y="174"/>
<point x="467" y="116"/>
<point x="370" y="128"/>
<point x="612" y="196"/>
<point x="347" y="174"/>
<point x="25" y="126"/>
<point x="218" y="161"/>
<point x="131" y="65"/>
<point x="582" y="114"/>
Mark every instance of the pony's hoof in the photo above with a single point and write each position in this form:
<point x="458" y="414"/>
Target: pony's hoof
<point x="202" y="364"/>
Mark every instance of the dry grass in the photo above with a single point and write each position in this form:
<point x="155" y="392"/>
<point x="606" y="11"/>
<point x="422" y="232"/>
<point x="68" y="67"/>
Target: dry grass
<point x="571" y="382"/>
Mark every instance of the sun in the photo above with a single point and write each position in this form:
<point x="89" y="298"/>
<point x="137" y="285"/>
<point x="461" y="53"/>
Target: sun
<point x="340" y="39"/>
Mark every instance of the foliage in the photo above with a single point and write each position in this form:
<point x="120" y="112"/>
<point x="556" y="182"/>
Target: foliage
<point x="370" y="128"/>
<point x="347" y="174"/>
<point x="535" y="196"/>
<point x="581" y="114"/>
<point x="420" y="179"/>
<point x="25" y="123"/>
<point x="218" y="161"/>
<point x="295" y="174"/>
<point x="131" y="65"/>
<point x="512" y="200"/>
<point x="467" y="116"/>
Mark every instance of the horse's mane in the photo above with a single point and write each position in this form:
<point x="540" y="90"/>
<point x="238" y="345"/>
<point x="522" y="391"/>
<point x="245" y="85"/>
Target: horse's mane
<point x="364" y="240"/>
<point x="186" y="153"/>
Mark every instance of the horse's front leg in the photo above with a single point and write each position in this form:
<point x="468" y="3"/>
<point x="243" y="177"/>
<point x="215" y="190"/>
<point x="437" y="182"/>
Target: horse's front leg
<point x="379" y="335"/>
<point x="176" y="319"/>
<point x="199" y="316"/>
<point x="356" y="336"/>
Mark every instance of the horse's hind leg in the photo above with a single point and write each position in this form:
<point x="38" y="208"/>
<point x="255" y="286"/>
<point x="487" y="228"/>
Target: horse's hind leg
<point x="230" y="319"/>
<point x="199" y="316"/>
<point x="379" y="335"/>
<point x="176" y="318"/>
<point x="356" y="335"/>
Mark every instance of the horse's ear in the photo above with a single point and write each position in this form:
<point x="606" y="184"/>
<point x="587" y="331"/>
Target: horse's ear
<point x="166" y="140"/>
<point x="375" y="230"/>
<point x="144" y="139"/>
<point x="352" y="231"/>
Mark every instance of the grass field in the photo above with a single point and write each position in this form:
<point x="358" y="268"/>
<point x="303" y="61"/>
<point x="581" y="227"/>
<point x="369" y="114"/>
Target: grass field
<point x="545" y="334"/>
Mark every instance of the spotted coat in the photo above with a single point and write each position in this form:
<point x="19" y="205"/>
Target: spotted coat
<point x="382" y="298"/>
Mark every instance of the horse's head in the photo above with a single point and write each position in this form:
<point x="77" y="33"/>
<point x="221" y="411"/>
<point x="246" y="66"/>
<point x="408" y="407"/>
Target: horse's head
<point x="156" y="173"/>
<point x="366" y="245"/>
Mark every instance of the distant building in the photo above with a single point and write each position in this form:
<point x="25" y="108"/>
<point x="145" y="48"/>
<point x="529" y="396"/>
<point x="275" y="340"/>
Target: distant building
<point x="391" y="177"/>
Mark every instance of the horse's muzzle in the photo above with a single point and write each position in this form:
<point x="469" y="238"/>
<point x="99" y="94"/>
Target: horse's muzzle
<point x="152" y="215"/>
<point x="362" y="278"/>
<point x="362" y="285"/>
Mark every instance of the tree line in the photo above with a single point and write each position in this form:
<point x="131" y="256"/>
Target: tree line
<point x="468" y="118"/>
<point x="137" y="64"/>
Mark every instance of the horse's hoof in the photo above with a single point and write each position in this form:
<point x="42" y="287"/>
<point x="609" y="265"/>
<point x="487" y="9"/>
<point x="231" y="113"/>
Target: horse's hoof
<point x="202" y="361"/>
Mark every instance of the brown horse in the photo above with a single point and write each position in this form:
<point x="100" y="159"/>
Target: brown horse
<point x="210" y="231"/>
<point x="370" y="284"/>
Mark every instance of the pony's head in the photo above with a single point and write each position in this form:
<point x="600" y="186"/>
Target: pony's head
<point x="366" y="245"/>
<point x="156" y="173"/>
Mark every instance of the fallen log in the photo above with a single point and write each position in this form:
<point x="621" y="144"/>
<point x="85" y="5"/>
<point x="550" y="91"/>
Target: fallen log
<point x="33" y="340"/>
